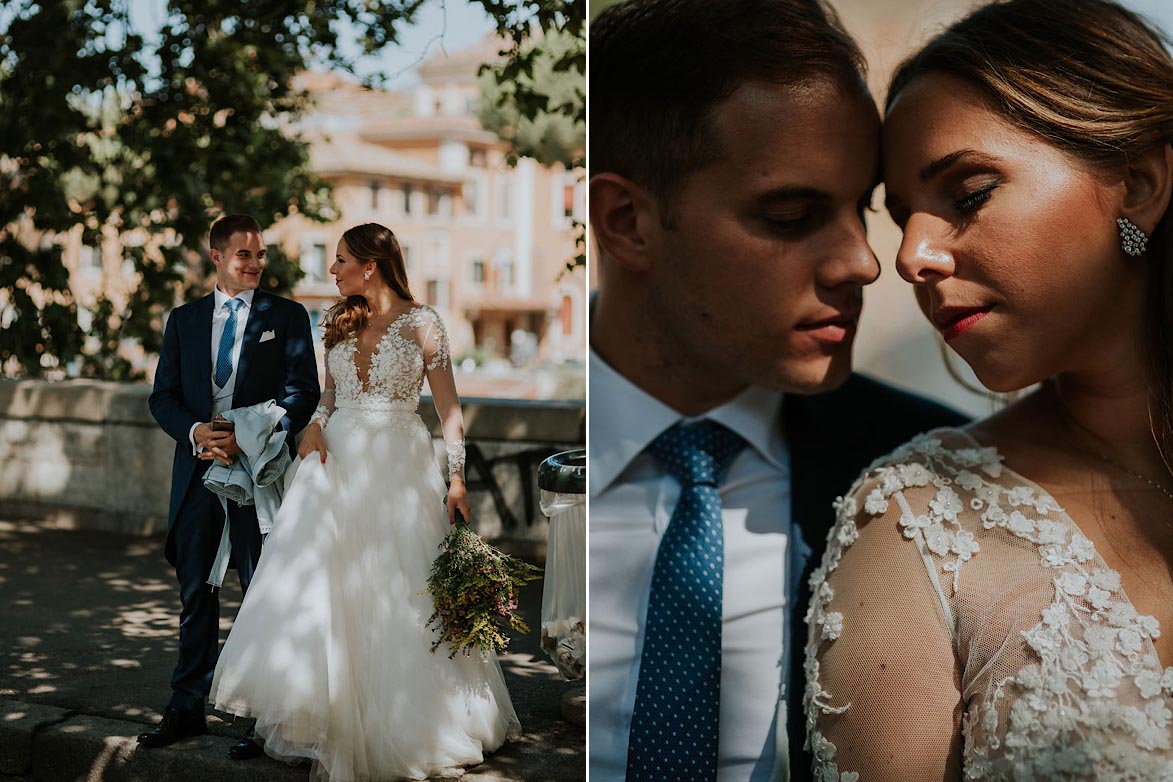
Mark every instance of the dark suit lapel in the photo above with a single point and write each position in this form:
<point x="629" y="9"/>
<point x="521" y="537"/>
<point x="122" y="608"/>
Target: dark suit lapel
<point x="258" y="318"/>
<point x="824" y="439"/>
<point x="202" y="360"/>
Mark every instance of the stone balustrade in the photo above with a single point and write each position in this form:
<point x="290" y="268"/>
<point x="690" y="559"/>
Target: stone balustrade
<point x="90" y="454"/>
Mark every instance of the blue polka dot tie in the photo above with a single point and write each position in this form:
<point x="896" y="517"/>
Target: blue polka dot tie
<point x="674" y="727"/>
<point x="227" y="341"/>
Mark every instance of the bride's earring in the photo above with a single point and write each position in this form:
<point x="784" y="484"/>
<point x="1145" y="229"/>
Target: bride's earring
<point x="366" y="275"/>
<point x="1132" y="239"/>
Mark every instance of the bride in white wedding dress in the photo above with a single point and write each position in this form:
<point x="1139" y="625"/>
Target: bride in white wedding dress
<point x="996" y="602"/>
<point x="330" y="652"/>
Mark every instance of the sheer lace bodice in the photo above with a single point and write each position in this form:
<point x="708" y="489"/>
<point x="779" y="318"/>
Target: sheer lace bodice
<point x="962" y="624"/>
<point x="390" y="377"/>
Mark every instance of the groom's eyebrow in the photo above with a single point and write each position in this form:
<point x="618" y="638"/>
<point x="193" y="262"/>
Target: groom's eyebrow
<point x="945" y="162"/>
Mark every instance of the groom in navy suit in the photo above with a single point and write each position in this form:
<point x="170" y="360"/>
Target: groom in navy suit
<point x="234" y="348"/>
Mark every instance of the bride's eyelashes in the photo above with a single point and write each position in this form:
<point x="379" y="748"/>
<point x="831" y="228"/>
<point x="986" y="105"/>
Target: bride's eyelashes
<point x="968" y="205"/>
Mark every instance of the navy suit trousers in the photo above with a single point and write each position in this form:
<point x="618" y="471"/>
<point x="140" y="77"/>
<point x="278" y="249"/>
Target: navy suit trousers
<point x="199" y="526"/>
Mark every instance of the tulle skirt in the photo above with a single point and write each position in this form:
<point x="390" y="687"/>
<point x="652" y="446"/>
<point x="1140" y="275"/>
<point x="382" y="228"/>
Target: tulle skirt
<point x="330" y="652"/>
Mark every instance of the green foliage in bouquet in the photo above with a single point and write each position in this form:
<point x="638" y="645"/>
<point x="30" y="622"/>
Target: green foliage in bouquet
<point x="474" y="589"/>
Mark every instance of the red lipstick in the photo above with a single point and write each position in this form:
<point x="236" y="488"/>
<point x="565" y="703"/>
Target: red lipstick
<point x="955" y="321"/>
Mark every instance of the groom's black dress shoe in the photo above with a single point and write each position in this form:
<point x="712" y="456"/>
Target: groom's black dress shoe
<point x="246" y="748"/>
<point x="176" y="724"/>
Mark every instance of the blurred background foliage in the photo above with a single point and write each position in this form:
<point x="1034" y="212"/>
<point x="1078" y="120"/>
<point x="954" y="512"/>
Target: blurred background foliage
<point x="152" y="141"/>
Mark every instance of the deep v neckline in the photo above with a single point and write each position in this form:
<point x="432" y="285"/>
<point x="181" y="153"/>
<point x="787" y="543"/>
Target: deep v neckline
<point x="376" y="350"/>
<point x="1072" y="523"/>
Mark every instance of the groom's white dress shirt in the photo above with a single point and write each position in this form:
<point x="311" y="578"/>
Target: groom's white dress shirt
<point x="222" y="396"/>
<point x="631" y="503"/>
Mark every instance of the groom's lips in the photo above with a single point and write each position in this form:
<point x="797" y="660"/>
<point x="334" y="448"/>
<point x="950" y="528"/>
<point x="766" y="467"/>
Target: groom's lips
<point x="832" y="326"/>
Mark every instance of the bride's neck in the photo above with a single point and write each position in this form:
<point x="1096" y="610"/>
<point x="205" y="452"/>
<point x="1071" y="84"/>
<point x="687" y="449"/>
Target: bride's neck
<point x="1114" y="413"/>
<point x="383" y="302"/>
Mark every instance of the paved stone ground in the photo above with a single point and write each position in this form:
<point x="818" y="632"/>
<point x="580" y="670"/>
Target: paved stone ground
<point x="89" y="623"/>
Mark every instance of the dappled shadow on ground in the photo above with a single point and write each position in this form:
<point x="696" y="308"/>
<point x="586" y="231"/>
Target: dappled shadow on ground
<point x="91" y="621"/>
<point x="94" y="619"/>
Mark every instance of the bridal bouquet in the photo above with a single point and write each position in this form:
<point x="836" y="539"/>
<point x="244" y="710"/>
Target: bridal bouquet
<point x="474" y="590"/>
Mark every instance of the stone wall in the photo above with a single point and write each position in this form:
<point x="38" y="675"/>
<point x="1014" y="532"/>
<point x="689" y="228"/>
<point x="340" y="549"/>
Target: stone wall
<point x="90" y="455"/>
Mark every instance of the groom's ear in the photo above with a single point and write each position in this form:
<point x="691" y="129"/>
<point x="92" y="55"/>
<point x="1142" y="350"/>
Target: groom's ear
<point x="625" y="219"/>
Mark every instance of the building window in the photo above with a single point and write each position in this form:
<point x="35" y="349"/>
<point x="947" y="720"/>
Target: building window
<point x="472" y="197"/>
<point x="408" y="191"/>
<point x="313" y="262"/>
<point x="568" y="201"/>
<point x="503" y="262"/>
<point x="439" y="202"/>
<point x="504" y="200"/>
<point x="375" y="188"/>
<point x="408" y="251"/>
<point x="478" y="271"/>
<point x="566" y="315"/>
<point x="437" y="294"/>
<point x="477" y="157"/>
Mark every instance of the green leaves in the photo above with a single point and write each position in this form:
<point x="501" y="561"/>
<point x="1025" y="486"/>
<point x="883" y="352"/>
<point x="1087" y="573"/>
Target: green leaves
<point x="153" y="142"/>
<point x="536" y="99"/>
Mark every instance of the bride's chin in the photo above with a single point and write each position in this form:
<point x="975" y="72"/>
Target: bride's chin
<point x="1003" y="379"/>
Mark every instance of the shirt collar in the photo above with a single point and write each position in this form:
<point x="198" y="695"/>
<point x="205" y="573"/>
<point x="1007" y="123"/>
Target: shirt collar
<point x="755" y="414"/>
<point x="624" y="420"/>
<point x="245" y="296"/>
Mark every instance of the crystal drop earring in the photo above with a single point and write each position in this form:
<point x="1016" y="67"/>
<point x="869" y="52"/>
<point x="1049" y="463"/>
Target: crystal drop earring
<point x="1132" y="239"/>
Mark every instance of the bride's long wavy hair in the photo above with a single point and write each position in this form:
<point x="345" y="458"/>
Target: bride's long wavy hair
<point x="367" y="242"/>
<point x="1094" y="80"/>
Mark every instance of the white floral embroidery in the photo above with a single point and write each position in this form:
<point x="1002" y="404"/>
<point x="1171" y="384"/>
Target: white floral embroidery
<point x="395" y="366"/>
<point x="394" y="380"/>
<point x="456" y="456"/>
<point x="1089" y="701"/>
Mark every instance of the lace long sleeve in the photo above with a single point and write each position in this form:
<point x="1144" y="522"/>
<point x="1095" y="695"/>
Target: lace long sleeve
<point x="883" y="698"/>
<point x="438" y="370"/>
<point x="326" y="404"/>
<point x="961" y="620"/>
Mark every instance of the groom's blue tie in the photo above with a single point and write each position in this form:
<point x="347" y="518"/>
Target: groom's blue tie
<point x="227" y="340"/>
<point x="677" y="700"/>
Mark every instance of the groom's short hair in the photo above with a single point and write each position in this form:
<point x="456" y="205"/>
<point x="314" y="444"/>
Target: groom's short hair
<point x="227" y="225"/>
<point x="658" y="67"/>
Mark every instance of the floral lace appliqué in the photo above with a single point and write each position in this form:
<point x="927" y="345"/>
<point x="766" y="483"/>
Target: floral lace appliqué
<point x="1091" y="702"/>
<point x="456" y="457"/>
<point x="395" y="374"/>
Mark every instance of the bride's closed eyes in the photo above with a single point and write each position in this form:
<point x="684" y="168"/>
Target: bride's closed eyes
<point x="969" y="204"/>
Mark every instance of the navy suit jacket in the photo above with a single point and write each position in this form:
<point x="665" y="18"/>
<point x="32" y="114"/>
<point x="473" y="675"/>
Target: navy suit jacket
<point x="833" y="437"/>
<point x="283" y="369"/>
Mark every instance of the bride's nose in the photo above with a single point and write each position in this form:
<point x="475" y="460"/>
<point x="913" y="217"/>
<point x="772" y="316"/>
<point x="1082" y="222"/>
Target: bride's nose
<point x="924" y="256"/>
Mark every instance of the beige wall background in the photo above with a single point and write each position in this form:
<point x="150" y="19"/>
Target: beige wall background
<point x="895" y="342"/>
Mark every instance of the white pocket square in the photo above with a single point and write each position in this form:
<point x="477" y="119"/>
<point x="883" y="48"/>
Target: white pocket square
<point x="268" y="335"/>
